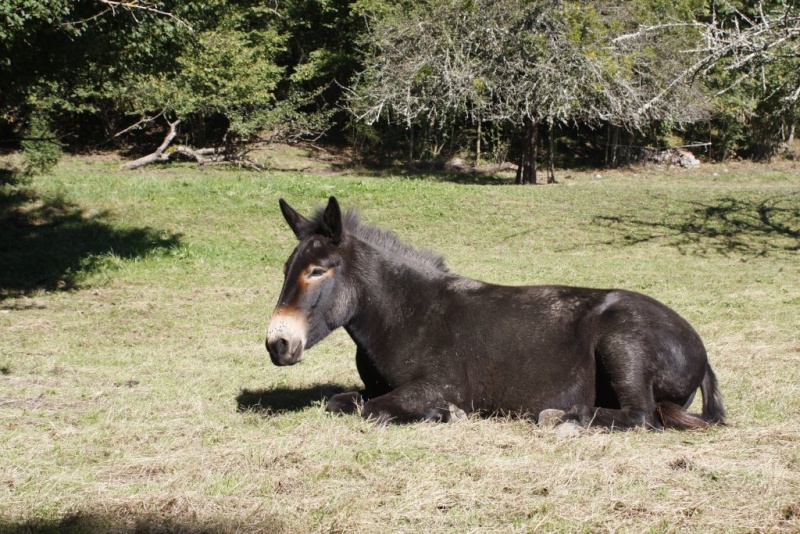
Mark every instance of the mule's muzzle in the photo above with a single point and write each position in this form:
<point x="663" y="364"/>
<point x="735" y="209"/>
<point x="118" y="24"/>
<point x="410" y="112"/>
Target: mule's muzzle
<point x="284" y="352"/>
<point x="286" y="336"/>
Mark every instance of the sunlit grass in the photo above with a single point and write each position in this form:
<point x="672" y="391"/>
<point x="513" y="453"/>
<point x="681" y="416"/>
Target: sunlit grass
<point x="137" y="394"/>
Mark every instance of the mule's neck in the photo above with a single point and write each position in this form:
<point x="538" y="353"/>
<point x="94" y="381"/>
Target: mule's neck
<point x="394" y="296"/>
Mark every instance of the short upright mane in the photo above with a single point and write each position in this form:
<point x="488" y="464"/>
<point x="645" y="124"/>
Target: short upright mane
<point x="385" y="240"/>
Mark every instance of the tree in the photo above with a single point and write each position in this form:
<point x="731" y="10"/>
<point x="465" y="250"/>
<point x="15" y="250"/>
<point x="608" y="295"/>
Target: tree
<point x="526" y="64"/>
<point x="747" y="55"/>
<point x="220" y="73"/>
<point x="753" y="63"/>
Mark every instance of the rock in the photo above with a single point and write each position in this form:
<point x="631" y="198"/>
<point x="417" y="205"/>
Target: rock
<point x="568" y="430"/>
<point x="456" y="413"/>
<point x="686" y="159"/>
<point x="549" y="418"/>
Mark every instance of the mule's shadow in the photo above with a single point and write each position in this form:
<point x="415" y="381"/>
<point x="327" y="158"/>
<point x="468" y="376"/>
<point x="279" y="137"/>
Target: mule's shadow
<point x="724" y="226"/>
<point x="280" y="400"/>
<point x="50" y="243"/>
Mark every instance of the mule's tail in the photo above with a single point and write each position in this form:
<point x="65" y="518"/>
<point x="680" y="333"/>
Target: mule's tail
<point x="674" y="416"/>
<point x="713" y="409"/>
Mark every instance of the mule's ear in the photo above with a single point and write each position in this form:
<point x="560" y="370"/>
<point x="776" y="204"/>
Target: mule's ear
<point x="332" y="221"/>
<point x="293" y="219"/>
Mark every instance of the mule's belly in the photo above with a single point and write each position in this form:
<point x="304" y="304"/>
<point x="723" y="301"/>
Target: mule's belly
<point x="523" y="350"/>
<point x="526" y="385"/>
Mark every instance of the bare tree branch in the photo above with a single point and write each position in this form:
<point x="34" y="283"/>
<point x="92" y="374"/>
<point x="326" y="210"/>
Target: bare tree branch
<point x="131" y="6"/>
<point x="159" y="154"/>
<point x="150" y="7"/>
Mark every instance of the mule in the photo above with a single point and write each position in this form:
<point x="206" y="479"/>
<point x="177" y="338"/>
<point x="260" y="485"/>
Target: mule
<point x="431" y="345"/>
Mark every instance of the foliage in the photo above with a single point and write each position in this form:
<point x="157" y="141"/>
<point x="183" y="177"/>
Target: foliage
<point x="431" y="77"/>
<point x="757" y="76"/>
<point x="228" y="69"/>
<point x="41" y="150"/>
<point x="519" y="65"/>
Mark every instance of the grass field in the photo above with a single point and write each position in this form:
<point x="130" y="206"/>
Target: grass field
<point x="136" y="394"/>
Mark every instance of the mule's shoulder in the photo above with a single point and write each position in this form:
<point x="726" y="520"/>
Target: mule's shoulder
<point x="462" y="284"/>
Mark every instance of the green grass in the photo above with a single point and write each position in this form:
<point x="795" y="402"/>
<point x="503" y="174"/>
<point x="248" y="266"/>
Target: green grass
<point x="136" y="395"/>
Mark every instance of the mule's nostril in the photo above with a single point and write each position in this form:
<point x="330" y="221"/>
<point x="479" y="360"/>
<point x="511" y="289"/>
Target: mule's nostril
<point x="282" y="346"/>
<point x="278" y="346"/>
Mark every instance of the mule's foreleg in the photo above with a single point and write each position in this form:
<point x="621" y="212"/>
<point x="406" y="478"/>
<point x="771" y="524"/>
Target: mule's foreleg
<point x="410" y="403"/>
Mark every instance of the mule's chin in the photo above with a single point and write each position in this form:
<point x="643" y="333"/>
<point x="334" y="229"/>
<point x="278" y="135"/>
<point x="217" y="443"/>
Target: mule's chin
<point x="282" y="356"/>
<point x="287" y="359"/>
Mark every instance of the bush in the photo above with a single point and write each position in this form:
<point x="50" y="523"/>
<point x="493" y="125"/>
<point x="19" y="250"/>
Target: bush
<point x="40" y="148"/>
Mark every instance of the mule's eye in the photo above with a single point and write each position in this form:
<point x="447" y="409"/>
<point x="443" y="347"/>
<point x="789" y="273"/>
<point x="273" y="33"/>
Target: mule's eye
<point x="316" y="272"/>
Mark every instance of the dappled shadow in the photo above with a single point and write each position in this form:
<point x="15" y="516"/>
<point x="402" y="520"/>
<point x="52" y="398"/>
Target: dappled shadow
<point x="279" y="400"/>
<point x="441" y="172"/>
<point x="7" y="176"/>
<point x="724" y="226"/>
<point x="461" y="177"/>
<point x="51" y="243"/>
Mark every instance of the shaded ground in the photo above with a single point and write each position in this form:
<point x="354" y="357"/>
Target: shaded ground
<point x="50" y="243"/>
<point x="280" y="400"/>
<point x="125" y="521"/>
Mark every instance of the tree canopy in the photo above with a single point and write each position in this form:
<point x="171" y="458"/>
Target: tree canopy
<point x="424" y="79"/>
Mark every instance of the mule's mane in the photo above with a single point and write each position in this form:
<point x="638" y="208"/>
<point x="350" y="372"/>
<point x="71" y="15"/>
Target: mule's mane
<point x="384" y="240"/>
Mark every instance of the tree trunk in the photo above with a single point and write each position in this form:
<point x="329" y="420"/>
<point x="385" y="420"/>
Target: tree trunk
<point x="529" y="152"/>
<point x="411" y="144"/>
<point x="551" y="166"/>
<point x="612" y="146"/>
<point x="478" y="147"/>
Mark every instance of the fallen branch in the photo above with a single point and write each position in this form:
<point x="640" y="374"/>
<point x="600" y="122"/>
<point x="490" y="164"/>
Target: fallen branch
<point x="207" y="156"/>
<point x="159" y="154"/>
<point x="203" y="156"/>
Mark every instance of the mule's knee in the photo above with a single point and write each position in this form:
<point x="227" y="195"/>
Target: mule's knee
<point x="380" y="412"/>
<point x="389" y="409"/>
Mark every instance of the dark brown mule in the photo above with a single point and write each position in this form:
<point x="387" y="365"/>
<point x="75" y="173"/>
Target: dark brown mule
<point x="431" y="343"/>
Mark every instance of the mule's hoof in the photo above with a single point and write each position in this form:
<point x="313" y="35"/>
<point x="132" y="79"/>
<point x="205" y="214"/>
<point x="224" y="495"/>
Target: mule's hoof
<point x="456" y="413"/>
<point x="568" y="430"/>
<point x="344" y="403"/>
<point x="550" y="418"/>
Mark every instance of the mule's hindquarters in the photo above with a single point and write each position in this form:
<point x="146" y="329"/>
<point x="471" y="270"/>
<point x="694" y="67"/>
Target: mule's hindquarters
<point x="649" y="364"/>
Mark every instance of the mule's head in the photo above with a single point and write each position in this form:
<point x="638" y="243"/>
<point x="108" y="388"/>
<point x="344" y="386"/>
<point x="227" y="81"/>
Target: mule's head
<point x="314" y="298"/>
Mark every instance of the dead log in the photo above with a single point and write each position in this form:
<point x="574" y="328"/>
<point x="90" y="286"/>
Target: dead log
<point x="203" y="156"/>
<point x="159" y="154"/>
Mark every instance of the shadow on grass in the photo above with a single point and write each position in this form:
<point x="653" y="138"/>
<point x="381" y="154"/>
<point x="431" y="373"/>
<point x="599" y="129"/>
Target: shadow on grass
<point x="51" y="243"/>
<point x="280" y="400"/>
<point x="168" y="521"/>
<point x="724" y="226"/>
<point x="461" y="177"/>
<point x="7" y="176"/>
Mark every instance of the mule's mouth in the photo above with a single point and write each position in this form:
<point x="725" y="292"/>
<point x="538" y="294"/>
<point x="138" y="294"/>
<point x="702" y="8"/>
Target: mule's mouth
<point x="283" y="352"/>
